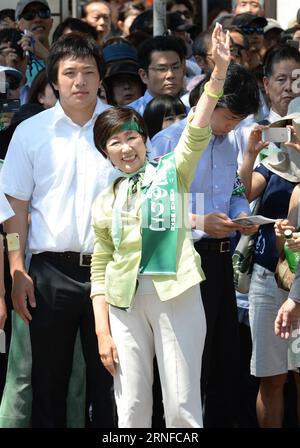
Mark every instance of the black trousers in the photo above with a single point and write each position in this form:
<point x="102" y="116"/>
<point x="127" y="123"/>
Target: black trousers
<point x="62" y="291"/>
<point x="220" y="365"/>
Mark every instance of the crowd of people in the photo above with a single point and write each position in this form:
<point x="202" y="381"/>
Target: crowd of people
<point x="127" y="160"/>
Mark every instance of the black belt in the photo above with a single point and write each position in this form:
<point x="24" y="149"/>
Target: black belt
<point x="214" y="245"/>
<point x="76" y="258"/>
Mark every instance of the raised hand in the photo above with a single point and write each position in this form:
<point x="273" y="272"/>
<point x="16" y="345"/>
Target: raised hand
<point x="220" y="49"/>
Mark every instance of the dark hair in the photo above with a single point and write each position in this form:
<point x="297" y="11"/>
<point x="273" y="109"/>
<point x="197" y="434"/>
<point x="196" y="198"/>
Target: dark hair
<point x="74" y="25"/>
<point x="112" y="119"/>
<point x="13" y="36"/>
<point x="38" y="86"/>
<point x="278" y="54"/>
<point x="160" y="107"/>
<point x="143" y="22"/>
<point x="72" y="45"/>
<point x="241" y="93"/>
<point x="200" y="44"/>
<point x="158" y="43"/>
<point x="83" y="8"/>
<point x="186" y="3"/>
<point x="10" y="13"/>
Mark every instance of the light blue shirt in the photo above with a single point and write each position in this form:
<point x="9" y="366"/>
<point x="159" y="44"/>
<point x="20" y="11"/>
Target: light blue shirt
<point x="140" y="104"/>
<point x="215" y="173"/>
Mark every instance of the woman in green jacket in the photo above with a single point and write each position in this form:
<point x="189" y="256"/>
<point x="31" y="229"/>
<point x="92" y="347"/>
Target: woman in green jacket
<point x="145" y="271"/>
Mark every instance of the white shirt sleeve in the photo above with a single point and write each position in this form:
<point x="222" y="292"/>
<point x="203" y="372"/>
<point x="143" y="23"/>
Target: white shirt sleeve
<point x="6" y="211"/>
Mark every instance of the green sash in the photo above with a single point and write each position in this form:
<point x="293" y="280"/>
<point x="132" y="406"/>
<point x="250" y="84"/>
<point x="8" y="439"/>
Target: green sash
<point x="160" y="220"/>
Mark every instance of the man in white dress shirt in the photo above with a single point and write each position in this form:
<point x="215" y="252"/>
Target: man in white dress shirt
<point x="53" y="169"/>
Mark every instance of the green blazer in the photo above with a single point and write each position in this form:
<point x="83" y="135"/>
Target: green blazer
<point x="114" y="272"/>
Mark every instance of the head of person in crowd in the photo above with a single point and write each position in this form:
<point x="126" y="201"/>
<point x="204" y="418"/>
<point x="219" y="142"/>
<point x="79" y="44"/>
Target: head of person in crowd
<point x="224" y="19"/>
<point x="253" y="27"/>
<point x="161" y="112"/>
<point x="127" y="14"/>
<point x="201" y="49"/>
<point x="281" y="80"/>
<point x="74" y="71"/>
<point x="239" y="46"/>
<point x="184" y="7"/>
<point x="178" y="27"/>
<point x="97" y="13"/>
<point x="291" y="36"/>
<point x="41" y="92"/>
<point x="109" y="122"/>
<point x="35" y="16"/>
<point x="253" y="6"/>
<point x="11" y="50"/>
<point x="240" y="99"/>
<point x="122" y="83"/>
<point x="71" y="25"/>
<point x="115" y="7"/>
<point x="143" y="23"/>
<point x="7" y="18"/>
<point x="162" y="64"/>
<point x="272" y="32"/>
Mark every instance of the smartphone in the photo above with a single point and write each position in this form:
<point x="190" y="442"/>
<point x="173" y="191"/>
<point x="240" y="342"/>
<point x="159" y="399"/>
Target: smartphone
<point x="9" y="105"/>
<point x="278" y="135"/>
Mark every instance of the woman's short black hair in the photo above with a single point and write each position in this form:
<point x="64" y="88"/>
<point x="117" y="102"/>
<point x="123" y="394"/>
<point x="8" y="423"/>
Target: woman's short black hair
<point x="160" y="107"/>
<point x="72" y="45"/>
<point x="241" y="93"/>
<point x="75" y="25"/>
<point x="112" y="119"/>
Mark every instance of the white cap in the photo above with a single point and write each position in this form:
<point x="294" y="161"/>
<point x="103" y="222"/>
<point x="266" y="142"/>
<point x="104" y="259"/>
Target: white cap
<point x="272" y="24"/>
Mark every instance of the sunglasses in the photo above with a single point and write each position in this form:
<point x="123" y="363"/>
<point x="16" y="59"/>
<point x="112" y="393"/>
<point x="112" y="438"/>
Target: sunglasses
<point x="41" y="13"/>
<point x="252" y="29"/>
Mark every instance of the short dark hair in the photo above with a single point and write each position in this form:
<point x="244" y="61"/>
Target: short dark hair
<point x="110" y="120"/>
<point x="125" y="10"/>
<point x="160" y="107"/>
<point x="158" y="43"/>
<point x="72" y="45"/>
<point x="10" y="13"/>
<point x="74" y="25"/>
<point x="241" y="92"/>
<point x="200" y="44"/>
<point x="186" y="3"/>
<point x="278" y="54"/>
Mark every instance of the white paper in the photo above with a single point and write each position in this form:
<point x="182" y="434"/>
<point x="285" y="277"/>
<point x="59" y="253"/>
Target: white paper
<point x="253" y="220"/>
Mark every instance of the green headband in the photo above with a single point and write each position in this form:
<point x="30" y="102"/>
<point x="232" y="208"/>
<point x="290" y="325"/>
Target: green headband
<point x="130" y="125"/>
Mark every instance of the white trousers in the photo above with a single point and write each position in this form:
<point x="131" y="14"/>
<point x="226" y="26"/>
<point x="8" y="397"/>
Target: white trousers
<point x="173" y="330"/>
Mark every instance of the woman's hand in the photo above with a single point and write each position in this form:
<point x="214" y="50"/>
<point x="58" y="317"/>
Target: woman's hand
<point x="220" y="50"/>
<point x="255" y="141"/>
<point x="108" y="352"/>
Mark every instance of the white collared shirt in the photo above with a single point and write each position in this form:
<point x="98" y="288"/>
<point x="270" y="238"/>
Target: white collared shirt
<point x="53" y="163"/>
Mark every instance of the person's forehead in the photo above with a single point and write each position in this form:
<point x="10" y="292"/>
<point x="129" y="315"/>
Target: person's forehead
<point x="285" y="67"/>
<point x="77" y="62"/>
<point x="253" y="2"/>
<point x="97" y="8"/>
<point x="164" y="57"/>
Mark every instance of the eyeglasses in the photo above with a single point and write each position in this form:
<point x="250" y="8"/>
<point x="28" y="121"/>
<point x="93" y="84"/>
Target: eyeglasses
<point x="252" y="29"/>
<point x="163" y="69"/>
<point x="41" y="13"/>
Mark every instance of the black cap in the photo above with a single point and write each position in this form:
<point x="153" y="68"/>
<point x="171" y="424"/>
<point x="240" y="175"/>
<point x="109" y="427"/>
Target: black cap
<point x="246" y="19"/>
<point x="122" y="68"/>
<point x="175" y="22"/>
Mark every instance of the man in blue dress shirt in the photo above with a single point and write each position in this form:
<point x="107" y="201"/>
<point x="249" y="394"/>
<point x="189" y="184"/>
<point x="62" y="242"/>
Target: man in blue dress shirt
<point x="215" y="181"/>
